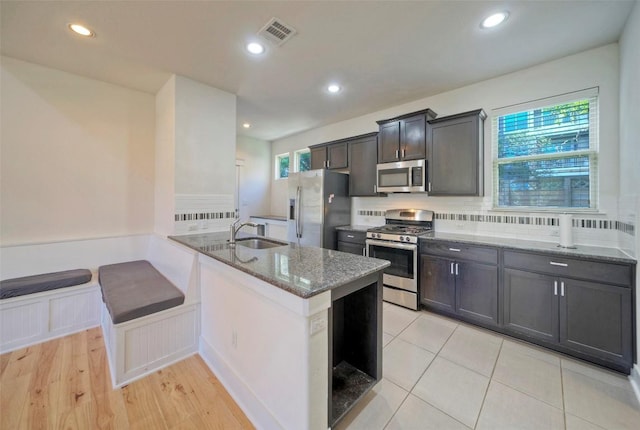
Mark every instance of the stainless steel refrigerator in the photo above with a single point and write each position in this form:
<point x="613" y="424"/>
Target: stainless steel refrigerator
<point x="318" y="203"/>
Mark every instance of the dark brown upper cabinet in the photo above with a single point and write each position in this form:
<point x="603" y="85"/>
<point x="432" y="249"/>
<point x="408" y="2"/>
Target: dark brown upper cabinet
<point x="456" y="149"/>
<point x="404" y="137"/>
<point x="330" y="155"/>
<point x="363" y="156"/>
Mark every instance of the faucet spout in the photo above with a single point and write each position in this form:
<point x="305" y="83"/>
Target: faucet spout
<point x="233" y="230"/>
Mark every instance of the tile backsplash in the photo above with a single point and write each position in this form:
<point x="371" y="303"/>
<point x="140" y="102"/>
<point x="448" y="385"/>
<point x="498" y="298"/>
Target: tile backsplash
<point x="456" y="216"/>
<point x="201" y="213"/>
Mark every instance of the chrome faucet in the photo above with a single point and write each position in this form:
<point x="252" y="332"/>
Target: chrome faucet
<point x="233" y="230"/>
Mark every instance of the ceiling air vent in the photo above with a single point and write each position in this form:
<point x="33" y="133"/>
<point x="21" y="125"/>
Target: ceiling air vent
<point x="277" y="32"/>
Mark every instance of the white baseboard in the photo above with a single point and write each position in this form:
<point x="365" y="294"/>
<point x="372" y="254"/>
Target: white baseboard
<point x="257" y="413"/>
<point x="634" y="378"/>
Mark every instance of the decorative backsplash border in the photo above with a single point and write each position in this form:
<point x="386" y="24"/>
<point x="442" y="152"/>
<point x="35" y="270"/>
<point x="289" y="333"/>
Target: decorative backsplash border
<point x="203" y="216"/>
<point x="525" y="220"/>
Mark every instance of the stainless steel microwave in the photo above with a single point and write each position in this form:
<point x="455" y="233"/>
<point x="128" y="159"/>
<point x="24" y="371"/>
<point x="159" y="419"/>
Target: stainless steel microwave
<point x="402" y="177"/>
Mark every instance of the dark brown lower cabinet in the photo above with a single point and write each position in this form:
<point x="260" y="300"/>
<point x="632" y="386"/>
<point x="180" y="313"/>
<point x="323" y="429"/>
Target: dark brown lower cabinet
<point x="437" y="285"/>
<point x="579" y="306"/>
<point x="465" y="288"/>
<point x="589" y="318"/>
<point x="351" y="241"/>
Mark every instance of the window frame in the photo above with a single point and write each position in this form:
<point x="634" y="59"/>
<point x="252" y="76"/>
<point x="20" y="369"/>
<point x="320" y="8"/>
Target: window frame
<point x="592" y="95"/>
<point x="276" y="165"/>
<point x="296" y="159"/>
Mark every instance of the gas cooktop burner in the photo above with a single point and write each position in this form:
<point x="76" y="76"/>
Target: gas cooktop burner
<point x="400" y="229"/>
<point x="403" y="225"/>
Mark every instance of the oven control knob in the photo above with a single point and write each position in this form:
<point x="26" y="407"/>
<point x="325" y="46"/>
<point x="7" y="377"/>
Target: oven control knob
<point x="402" y="239"/>
<point x="379" y="235"/>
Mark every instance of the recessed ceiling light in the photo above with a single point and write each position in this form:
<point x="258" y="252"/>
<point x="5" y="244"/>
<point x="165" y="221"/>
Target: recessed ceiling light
<point x="494" y="20"/>
<point x="81" y="30"/>
<point x="246" y="125"/>
<point x="255" y="48"/>
<point x="334" y="88"/>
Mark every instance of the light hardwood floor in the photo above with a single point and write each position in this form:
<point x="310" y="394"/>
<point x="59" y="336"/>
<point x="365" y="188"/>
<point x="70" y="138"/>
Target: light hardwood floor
<point x="65" y="384"/>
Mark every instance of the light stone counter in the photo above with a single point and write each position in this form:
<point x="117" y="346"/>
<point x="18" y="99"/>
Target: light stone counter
<point x="300" y="270"/>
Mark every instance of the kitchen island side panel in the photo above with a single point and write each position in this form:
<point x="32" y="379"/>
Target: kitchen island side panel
<point x="268" y="347"/>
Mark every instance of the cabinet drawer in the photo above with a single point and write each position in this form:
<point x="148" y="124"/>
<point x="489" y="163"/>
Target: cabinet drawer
<point x="351" y="236"/>
<point x="461" y="251"/>
<point x="610" y="273"/>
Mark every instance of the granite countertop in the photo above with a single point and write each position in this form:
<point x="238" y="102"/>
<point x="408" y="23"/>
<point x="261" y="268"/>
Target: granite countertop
<point x="301" y="270"/>
<point x="363" y="228"/>
<point x="601" y="253"/>
<point x="272" y="217"/>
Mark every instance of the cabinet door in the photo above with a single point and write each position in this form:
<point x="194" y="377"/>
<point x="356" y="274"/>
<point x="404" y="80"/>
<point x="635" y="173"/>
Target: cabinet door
<point x="437" y="283"/>
<point x="530" y="304"/>
<point x="389" y="142"/>
<point x="595" y="319"/>
<point x="454" y="162"/>
<point x="413" y="144"/>
<point x="318" y="158"/>
<point x="352" y="248"/>
<point x="337" y="156"/>
<point x="363" y="156"/>
<point x="477" y="291"/>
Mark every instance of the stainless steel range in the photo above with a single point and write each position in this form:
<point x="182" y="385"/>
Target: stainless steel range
<point x="397" y="241"/>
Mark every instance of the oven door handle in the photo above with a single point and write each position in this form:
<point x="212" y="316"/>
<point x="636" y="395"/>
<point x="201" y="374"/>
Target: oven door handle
<point x="395" y="245"/>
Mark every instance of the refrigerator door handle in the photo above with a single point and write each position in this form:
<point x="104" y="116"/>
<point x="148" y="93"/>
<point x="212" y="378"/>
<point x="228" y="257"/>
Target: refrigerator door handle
<point x="298" y="225"/>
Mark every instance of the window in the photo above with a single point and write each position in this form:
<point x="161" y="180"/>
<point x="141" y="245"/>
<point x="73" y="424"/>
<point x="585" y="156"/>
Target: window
<point x="282" y="166"/>
<point x="545" y="153"/>
<point x="302" y="160"/>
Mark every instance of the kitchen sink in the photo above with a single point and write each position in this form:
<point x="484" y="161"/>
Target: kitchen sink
<point x="259" y="243"/>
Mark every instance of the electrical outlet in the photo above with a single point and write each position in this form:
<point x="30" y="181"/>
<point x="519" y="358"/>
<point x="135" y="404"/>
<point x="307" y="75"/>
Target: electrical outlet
<point x="193" y="227"/>
<point x="318" y="324"/>
<point x="555" y="233"/>
<point x="234" y="339"/>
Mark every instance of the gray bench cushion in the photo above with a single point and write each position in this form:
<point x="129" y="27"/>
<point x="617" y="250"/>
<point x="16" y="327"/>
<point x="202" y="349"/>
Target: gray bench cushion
<point x="134" y="289"/>
<point x="37" y="283"/>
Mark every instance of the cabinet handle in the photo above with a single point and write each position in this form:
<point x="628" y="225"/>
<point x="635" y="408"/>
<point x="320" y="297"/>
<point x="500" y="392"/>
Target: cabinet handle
<point x="429" y="186"/>
<point x="452" y="268"/>
<point x="454" y="249"/>
<point x="562" y="289"/>
<point x="403" y="152"/>
<point x="555" y="288"/>
<point x="375" y="188"/>
<point x="328" y="163"/>
<point x="350" y="236"/>
<point x="553" y="263"/>
<point x="456" y="269"/>
<point x="397" y="153"/>
<point x="364" y="251"/>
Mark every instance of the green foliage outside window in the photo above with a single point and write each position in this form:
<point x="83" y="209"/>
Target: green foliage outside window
<point x="304" y="162"/>
<point x="283" y="166"/>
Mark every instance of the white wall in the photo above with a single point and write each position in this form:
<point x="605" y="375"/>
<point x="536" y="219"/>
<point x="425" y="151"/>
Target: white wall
<point x="255" y="176"/>
<point x="77" y="156"/>
<point x="630" y="142"/>
<point x="205" y="131"/>
<point x="165" y="158"/>
<point x="196" y="147"/>
<point x="593" y="68"/>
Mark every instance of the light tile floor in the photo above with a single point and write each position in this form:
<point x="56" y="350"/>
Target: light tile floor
<point x="439" y="373"/>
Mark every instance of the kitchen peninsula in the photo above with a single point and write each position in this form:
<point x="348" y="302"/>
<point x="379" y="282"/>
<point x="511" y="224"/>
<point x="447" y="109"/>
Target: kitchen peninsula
<point x="294" y="332"/>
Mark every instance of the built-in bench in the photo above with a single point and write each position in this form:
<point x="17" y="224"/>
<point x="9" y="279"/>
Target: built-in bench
<point x="136" y="289"/>
<point x="25" y="285"/>
<point x="151" y="290"/>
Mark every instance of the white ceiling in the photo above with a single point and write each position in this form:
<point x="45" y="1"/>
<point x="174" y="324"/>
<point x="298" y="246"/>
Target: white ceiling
<point x="383" y="53"/>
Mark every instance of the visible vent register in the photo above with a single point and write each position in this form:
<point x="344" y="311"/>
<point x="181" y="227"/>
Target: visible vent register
<point x="277" y="32"/>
